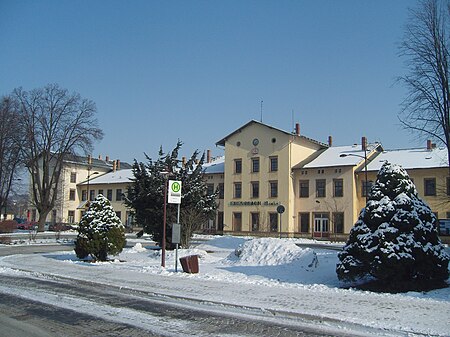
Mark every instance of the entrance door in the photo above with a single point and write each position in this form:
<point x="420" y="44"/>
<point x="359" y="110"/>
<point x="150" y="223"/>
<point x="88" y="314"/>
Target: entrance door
<point x="321" y="226"/>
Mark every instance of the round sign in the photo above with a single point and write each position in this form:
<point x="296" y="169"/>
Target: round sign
<point x="280" y="209"/>
<point x="176" y="187"/>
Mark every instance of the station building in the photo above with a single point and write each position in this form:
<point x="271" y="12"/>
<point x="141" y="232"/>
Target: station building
<point x="320" y="187"/>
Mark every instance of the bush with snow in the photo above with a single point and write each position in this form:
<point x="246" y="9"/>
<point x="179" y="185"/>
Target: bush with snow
<point x="395" y="240"/>
<point x="100" y="231"/>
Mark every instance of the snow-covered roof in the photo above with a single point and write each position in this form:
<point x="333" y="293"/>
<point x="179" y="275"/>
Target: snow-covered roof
<point x="331" y="156"/>
<point x="216" y="166"/>
<point x="419" y="158"/>
<point x="116" y="177"/>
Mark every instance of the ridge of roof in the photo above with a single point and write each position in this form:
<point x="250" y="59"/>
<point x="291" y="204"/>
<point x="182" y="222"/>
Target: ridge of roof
<point x="253" y="121"/>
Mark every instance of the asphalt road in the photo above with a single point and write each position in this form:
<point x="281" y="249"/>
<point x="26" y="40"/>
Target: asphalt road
<point x="111" y="311"/>
<point x="56" y="306"/>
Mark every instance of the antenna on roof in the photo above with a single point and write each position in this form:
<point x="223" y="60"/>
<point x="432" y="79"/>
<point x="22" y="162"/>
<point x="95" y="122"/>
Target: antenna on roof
<point x="261" y="111"/>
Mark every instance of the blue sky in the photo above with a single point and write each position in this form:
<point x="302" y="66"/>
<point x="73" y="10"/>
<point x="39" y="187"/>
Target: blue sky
<point x="198" y="70"/>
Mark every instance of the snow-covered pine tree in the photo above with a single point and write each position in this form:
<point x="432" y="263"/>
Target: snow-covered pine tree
<point x="100" y="231"/>
<point x="395" y="240"/>
<point x="146" y="195"/>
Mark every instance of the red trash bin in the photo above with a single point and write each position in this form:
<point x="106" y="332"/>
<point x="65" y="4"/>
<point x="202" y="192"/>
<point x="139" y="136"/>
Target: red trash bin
<point x="189" y="264"/>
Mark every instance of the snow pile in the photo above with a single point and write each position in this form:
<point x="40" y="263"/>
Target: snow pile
<point x="137" y="248"/>
<point x="272" y="252"/>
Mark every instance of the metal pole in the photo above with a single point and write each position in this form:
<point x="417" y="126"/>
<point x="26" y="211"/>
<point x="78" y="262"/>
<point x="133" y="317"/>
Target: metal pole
<point x="281" y="214"/>
<point x="176" y="246"/>
<point x="163" y="255"/>
<point x="365" y="172"/>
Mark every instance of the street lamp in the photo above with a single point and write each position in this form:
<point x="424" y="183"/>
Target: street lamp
<point x="365" y="165"/>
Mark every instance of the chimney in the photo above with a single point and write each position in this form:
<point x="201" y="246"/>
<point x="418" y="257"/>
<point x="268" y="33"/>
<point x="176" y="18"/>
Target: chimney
<point x="297" y="129"/>
<point x="99" y="157"/>
<point x="114" y="166"/>
<point x="429" y="144"/>
<point x="330" y="141"/>
<point x="118" y="164"/>
<point x="183" y="161"/>
<point x="208" y="156"/>
<point x="107" y="158"/>
<point x="364" y="143"/>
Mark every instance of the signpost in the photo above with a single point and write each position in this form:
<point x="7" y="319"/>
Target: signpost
<point x="174" y="197"/>
<point x="280" y="210"/>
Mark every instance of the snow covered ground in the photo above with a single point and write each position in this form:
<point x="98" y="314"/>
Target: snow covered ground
<point x="266" y="273"/>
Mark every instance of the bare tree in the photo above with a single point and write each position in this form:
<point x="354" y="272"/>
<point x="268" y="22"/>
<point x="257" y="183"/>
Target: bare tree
<point x="10" y="146"/>
<point x="426" y="108"/>
<point x="57" y="124"/>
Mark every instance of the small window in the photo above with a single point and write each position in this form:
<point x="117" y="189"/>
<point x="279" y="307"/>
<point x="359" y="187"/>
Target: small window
<point x="448" y="186"/>
<point x="72" y="195"/>
<point x="273" y="220"/>
<point x="273" y="192"/>
<point x="71" y="216"/>
<point x="255" y="165"/>
<point x="430" y="186"/>
<point x="338" y="221"/>
<point x="73" y="177"/>
<point x="304" y="222"/>
<point x="237" y="222"/>
<point x="273" y="164"/>
<point x="100" y="192"/>
<point x="338" y="188"/>
<point x="119" y="194"/>
<point x="83" y="195"/>
<point x="304" y="189"/>
<point x="238" y="166"/>
<point x="255" y="221"/>
<point x="366" y="187"/>
<point x="237" y="190"/>
<point x="255" y="189"/>
<point x="221" y="191"/>
<point x="320" y="188"/>
<point x="91" y="195"/>
<point x="109" y="195"/>
<point x="210" y="189"/>
<point x="119" y="215"/>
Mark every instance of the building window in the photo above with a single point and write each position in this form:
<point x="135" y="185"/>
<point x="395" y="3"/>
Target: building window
<point x="273" y="164"/>
<point x="255" y="189"/>
<point x="338" y="220"/>
<point x="109" y="195"/>
<point x="100" y="192"/>
<point x="119" y="194"/>
<point x="72" y="195"/>
<point x="237" y="190"/>
<point x="73" y="177"/>
<point x="238" y="166"/>
<point x="304" y="189"/>
<point x="237" y="222"/>
<point x="366" y="187"/>
<point x="430" y="186"/>
<point x="83" y="195"/>
<point x="338" y="187"/>
<point x="210" y="189"/>
<point x="320" y="188"/>
<point x="119" y="215"/>
<point x="273" y="192"/>
<point x="221" y="191"/>
<point x="255" y="221"/>
<point x="71" y="216"/>
<point x="255" y="165"/>
<point x="92" y="195"/>
<point x="304" y="222"/>
<point x="273" y="221"/>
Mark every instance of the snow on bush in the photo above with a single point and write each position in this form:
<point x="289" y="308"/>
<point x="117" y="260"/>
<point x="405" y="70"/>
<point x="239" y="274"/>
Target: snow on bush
<point x="395" y="239"/>
<point x="100" y="231"/>
<point x="270" y="252"/>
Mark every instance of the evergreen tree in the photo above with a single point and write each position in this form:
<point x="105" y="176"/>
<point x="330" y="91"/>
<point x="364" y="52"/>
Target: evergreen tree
<point x="100" y="231"/>
<point x="146" y="194"/>
<point x="395" y="239"/>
